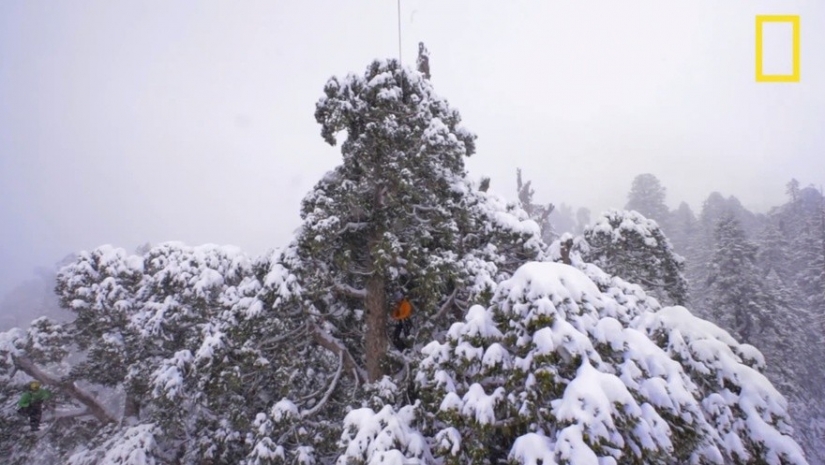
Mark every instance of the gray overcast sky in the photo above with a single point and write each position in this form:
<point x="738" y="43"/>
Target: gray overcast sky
<point x="124" y="122"/>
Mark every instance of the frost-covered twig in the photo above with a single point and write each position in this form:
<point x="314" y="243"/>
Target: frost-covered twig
<point x="333" y="384"/>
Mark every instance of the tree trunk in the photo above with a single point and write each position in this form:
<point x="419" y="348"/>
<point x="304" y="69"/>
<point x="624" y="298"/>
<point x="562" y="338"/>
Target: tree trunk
<point x="376" y="333"/>
<point x="375" y="343"/>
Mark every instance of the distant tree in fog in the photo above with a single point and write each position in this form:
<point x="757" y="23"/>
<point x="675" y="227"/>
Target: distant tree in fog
<point x="647" y="196"/>
<point x="739" y="299"/>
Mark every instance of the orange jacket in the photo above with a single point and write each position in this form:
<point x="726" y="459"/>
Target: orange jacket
<point x="403" y="310"/>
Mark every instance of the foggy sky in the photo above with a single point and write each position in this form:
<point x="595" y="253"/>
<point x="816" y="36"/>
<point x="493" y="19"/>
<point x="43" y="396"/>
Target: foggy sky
<point x="133" y="121"/>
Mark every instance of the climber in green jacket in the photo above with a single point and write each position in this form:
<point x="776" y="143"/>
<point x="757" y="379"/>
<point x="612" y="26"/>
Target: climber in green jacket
<point x="31" y="403"/>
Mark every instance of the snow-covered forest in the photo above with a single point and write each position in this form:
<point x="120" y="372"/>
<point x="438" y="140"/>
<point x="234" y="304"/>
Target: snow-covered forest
<point x="539" y="335"/>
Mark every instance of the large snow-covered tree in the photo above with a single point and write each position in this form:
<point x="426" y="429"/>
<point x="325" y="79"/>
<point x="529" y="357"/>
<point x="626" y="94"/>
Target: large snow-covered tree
<point x="381" y="217"/>
<point x="397" y="215"/>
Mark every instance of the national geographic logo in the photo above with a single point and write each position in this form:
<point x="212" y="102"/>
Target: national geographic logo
<point x="760" y="22"/>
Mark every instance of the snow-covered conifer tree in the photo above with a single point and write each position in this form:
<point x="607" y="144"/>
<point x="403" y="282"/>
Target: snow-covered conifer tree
<point x="626" y="244"/>
<point x="738" y="299"/>
<point x="397" y="215"/>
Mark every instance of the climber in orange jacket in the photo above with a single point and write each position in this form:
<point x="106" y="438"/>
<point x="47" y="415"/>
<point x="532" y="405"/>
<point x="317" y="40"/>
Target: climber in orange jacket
<point x="402" y="313"/>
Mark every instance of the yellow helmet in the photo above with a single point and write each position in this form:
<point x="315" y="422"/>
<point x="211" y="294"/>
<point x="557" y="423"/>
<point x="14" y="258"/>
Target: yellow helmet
<point x="34" y="385"/>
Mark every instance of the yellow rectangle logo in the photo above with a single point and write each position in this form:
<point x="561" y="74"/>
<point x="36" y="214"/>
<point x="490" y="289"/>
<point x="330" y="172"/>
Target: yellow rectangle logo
<point x="760" y="21"/>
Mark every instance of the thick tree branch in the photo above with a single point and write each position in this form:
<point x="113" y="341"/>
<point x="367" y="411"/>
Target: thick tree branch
<point x="95" y="408"/>
<point x="350" y="291"/>
<point x="330" y="343"/>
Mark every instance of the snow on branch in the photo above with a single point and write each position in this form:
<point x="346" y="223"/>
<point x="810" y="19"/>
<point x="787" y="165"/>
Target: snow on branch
<point x="350" y="291"/>
<point x="328" y="342"/>
<point x="351" y="226"/>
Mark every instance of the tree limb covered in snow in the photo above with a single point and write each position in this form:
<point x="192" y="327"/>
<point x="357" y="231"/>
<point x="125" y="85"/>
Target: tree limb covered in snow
<point x="352" y="226"/>
<point x="332" y="385"/>
<point x="360" y="271"/>
<point x="350" y="291"/>
<point x="330" y="343"/>
<point x="95" y="408"/>
<point x="419" y="219"/>
<point x="423" y="208"/>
